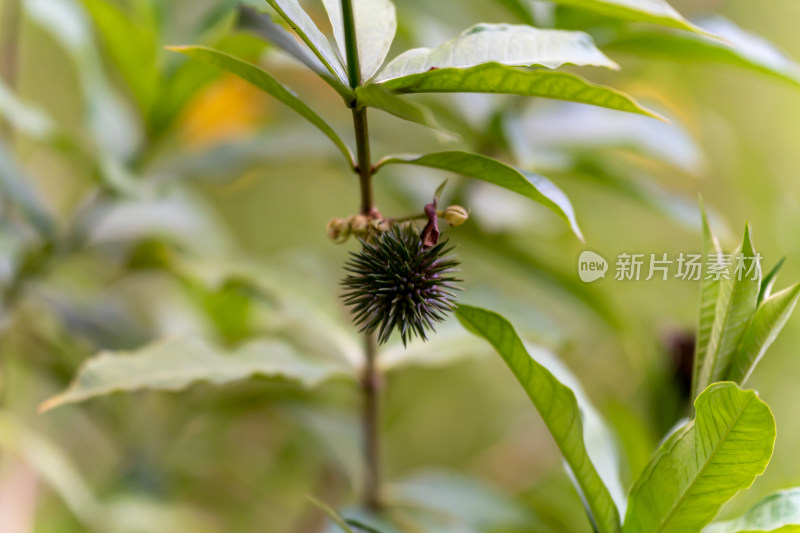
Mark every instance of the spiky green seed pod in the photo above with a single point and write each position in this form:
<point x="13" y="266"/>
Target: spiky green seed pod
<point x="396" y="283"/>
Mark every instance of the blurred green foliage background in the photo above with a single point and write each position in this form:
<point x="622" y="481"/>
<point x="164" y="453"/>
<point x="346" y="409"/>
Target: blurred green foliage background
<point x="175" y="170"/>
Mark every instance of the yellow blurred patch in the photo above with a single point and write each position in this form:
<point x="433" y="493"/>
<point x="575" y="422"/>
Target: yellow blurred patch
<point x="227" y="109"/>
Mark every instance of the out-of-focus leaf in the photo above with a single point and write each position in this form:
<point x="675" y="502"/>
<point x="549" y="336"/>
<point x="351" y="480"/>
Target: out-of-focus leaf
<point x="467" y="504"/>
<point x="376" y="96"/>
<point x="506" y="44"/>
<point x="767" y="323"/>
<point x="585" y="129"/>
<point x="484" y="168"/>
<point x="769" y="281"/>
<point x="736" y="304"/>
<point x="449" y="345"/>
<point x="556" y="404"/>
<point x="53" y="466"/>
<point x="704" y="464"/>
<point x="502" y="79"/>
<point x="739" y="49"/>
<point x="21" y="116"/>
<point x="332" y="514"/>
<point x="175" y="364"/>
<point x="376" y="24"/>
<point x="709" y="295"/>
<point x="267" y="83"/>
<point x="15" y="186"/>
<point x="652" y="11"/>
<point x="777" y="513"/>
<point x="113" y="126"/>
<point x="131" y="45"/>
<point x="262" y="25"/>
<point x="292" y="12"/>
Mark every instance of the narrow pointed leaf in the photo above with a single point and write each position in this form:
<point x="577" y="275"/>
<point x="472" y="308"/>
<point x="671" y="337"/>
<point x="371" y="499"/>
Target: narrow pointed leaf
<point x="704" y="464"/>
<point x="557" y="406"/>
<point x="176" y="364"/>
<point x="709" y="294"/>
<point x="502" y="79"/>
<point x="769" y="281"/>
<point x="262" y="25"/>
<point x="376" y="24"/>
<point x="533" y="186"/>
<point x="506" y="44"/>
<point x="736" y="304"/>
<point x="23" y="117"/>
<point x="268" y="84"/>
<point x="777" y="513"/>
<point x="738" y="49"/>
<point x="292" y="12"/>
<point x="16" y="188"/>
<point x="652" y="11"/>
<point x="767" y="323"/>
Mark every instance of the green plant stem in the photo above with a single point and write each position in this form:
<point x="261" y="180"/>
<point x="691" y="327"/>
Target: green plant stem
<point x="371" y="380"/>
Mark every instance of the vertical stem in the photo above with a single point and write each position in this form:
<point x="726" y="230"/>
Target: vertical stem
<point x="371" y="380"/>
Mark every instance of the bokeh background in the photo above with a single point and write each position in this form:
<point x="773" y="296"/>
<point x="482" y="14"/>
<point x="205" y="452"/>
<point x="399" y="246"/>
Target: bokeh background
<point x="175" y="173"/>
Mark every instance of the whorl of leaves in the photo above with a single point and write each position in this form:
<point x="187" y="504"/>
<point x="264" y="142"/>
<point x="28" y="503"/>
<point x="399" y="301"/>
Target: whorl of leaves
<point x="396" y="283"/>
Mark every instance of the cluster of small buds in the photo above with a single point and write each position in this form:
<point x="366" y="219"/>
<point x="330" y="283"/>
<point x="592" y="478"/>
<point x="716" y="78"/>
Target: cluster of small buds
<point x="363" y="226"/>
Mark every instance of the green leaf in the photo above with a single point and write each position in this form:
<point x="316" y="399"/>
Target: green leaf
<point x="267" y="83"/>
<point x="132" y="47"/>
<point x="501" y="79"/>
<point x="175" y="364"/>
<point x="704" y="464"/>
<point x="376" y="96"/>
<point x="16" y="187"/>
<point x="769" y="281"/>
<point x="261" y="24"/>
<point x="506" y="44"/>
<point x="376" y="24"/>
<point x="292" y="12"/>
<point x="484" y="168"/>
<point x="23" y="117"/>
<point x="709" y="294"/>
<point x="767" y="323"/>
<point x="736" y="304"/>
<point x="738" y="48"/>
<point x="652" y="11"/>
<point x="556" y="404"/>
<point x="777" y="513"/>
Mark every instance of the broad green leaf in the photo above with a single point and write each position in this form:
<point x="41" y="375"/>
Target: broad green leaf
<point x="704" y="464"/>
<point x="737" y="48"/>
<point x="267" y="83"/>
<point x="506" y="44"/>
<point x="777" y="513"/>
<point x="372" y="95"/>
<point x="652" y="11"/>
<point x="16" y="187"/>
<point x="709" y="295"/>
<point x="23" y="117"/>
<point x="262" y="25"/>
<point x="769" y="281"/>
<point x="376" y="24"/>
<point x="484" y="168"/>
<point x="292" y="12"/>
<point x="502" y="79"/>
<point x="175" y="364"/>
<point x="557" y="406"/>
<point x="736" y="304"/>
<point x="767" y="323"/>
